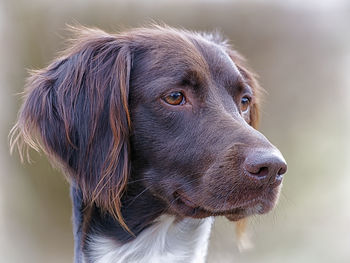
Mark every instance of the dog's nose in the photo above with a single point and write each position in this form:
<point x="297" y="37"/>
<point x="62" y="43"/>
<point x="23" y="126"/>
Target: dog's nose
<point x="265" y="165"/>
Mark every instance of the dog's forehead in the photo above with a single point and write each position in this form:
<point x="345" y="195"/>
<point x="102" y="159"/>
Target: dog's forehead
<point x="168" y="55"/>
<point x="171" y="56"/>
<point x="200" y="51"/>
<point x="176" y="46"/>
<point x="219" y="61"/>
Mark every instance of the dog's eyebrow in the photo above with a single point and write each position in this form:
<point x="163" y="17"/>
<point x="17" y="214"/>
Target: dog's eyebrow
<point x="246" y="89"/>
<point x="232" y="79"/>
<point x="237" y="85"/>
<point x="194" y="79"/>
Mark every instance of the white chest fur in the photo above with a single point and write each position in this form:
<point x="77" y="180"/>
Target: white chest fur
<point x="167" y="241"/>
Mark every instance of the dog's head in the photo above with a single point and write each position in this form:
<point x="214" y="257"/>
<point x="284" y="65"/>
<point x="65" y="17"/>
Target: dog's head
<point x="172" y="110"/>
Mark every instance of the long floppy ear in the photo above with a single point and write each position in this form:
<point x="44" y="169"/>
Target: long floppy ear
<point x="76" y="111"/>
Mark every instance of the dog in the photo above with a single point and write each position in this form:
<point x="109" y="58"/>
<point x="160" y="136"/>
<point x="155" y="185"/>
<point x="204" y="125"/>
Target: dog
<point x="155" y="130"/>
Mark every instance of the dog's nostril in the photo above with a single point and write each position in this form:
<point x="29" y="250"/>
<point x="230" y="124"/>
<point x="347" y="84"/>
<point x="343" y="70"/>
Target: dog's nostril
<point x="262" y="172"/>
<point x="265" y="165"/>
<point x="282" y="170"/>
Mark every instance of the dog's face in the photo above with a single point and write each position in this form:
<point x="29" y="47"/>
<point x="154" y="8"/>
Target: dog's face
<point x="192" y="144"/>
<point x="169" y="109"/>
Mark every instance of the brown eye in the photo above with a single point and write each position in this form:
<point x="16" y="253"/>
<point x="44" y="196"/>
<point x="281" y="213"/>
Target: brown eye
<point x="245" y="102"/>
<point x="175" y="98"/>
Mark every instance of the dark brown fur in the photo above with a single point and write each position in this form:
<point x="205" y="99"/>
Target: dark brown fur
<point x="98" y="112"/>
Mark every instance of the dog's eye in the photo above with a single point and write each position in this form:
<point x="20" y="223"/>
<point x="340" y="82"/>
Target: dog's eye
<point x="175" y="98"/>
<point x="245" y="103"/>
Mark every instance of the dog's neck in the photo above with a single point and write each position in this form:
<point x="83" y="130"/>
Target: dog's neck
<point x="159" y="237"/>
<point x="167" y="240"/>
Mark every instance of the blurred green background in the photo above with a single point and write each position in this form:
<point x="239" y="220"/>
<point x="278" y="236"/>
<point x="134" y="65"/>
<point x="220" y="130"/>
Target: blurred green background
<point x="300" y="49"/>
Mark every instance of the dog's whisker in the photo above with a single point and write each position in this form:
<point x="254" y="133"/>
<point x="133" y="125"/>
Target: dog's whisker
<point x="138" y="180"/>
<point x="140" y="194"/>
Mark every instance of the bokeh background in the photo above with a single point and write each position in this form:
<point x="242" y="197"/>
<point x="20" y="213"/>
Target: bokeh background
<point x="301" y="51"/>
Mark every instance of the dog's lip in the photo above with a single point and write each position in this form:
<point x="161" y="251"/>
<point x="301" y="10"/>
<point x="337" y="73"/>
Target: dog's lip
<point x="184" y="199"/>
<point x="261" y="204"/>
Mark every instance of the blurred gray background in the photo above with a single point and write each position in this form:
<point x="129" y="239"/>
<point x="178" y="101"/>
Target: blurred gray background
<point x="301" y="51"/>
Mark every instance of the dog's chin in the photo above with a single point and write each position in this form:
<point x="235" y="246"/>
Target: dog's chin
<point x="184" y="207"/>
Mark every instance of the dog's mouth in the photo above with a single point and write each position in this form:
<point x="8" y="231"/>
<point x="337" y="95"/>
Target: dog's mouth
<point x="184" y="206"/>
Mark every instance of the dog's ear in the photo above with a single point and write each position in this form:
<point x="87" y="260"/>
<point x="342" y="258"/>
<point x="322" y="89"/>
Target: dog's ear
<point x="76" y="111"/>
<point x="251" y="79"/>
